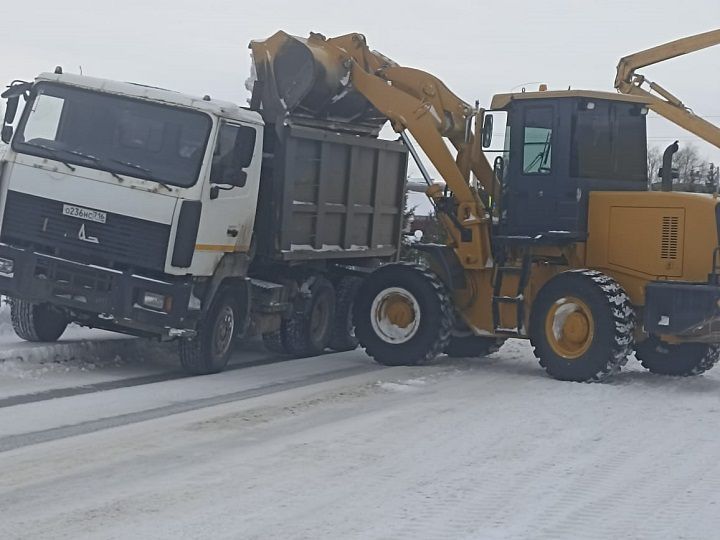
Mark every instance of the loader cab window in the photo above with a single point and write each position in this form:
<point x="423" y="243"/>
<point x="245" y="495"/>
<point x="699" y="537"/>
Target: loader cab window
<point x="608" y="141"/>
<point x="233" y="153"/>
<point x="538" y="140"/>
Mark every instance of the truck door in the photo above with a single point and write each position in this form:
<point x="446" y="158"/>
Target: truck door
<point x="230" y="199"/>
<point x="533" y="179"/>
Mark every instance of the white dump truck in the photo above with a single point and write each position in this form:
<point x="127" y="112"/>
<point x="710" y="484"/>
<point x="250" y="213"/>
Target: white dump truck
<point x="154" y="213"/>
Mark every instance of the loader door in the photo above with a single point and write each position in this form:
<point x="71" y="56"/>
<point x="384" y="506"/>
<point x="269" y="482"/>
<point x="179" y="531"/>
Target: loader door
<point x="539" y="197"/>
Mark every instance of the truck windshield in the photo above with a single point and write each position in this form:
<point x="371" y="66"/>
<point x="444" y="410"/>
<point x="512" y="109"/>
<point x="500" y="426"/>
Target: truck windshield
<point x="124" y="136"/>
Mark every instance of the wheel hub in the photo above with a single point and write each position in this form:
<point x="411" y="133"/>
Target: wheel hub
<point x="224" y="329"/>
<point x="395" y="315"/>
<point x="570" y="328"/>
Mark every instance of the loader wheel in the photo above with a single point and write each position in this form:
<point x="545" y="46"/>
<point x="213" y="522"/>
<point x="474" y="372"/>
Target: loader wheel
<point x="209" y="351"/>
<point x="581" y="326"/>
<point x="36" y="322"/>
<point x="403" y="315"/>
<point x="273" y="342"/>
<point x="343" y="335"/>
<point x="683" y="360"/>
<point x="307" y="331"/>
<point x="472" y="346"/>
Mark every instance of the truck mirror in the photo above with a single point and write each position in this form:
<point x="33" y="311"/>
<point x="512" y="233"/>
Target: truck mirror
<point x="11" y="109"/>
<point x="7" y="133"/>
<point x="487" y="131"/>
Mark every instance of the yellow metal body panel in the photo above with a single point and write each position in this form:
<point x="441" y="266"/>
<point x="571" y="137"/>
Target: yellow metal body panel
<point x="646" y="236"/>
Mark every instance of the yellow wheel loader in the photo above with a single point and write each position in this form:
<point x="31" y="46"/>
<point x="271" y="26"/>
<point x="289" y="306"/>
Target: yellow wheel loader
<point x="559" y="241"/>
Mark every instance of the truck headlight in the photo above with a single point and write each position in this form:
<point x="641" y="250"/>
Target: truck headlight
<point x="156" y="301"/>
<point x="7" y="267"/>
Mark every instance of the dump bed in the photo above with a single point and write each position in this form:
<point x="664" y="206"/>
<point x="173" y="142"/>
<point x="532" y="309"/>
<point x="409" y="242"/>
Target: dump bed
<point x="329" y="195"/>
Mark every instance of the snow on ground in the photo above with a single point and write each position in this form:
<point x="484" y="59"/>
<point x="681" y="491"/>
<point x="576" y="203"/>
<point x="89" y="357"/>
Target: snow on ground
<point x="487" y="448"/>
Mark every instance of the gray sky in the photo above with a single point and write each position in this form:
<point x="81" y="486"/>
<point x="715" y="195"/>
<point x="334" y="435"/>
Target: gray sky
<point x="476" y="48"/>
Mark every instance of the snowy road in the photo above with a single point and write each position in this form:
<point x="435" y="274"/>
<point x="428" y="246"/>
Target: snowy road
<point x="338" y="447"/>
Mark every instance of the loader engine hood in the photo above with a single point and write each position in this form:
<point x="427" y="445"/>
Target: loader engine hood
<point x="298" y="76"/>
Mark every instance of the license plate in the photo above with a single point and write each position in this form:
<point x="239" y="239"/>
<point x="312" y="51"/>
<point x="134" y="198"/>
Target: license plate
<point x="84" y="213"/>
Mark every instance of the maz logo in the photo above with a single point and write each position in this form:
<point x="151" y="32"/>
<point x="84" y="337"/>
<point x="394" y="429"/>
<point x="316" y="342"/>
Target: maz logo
<point x="85" y="238"/>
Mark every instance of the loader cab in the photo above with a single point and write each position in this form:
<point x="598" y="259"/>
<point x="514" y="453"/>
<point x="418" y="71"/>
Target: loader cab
<point x="560" y="146"/>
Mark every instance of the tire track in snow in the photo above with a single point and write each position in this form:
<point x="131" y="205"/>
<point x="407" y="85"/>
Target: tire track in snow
<point x="14" y="442"/>
<point x="70" y="391"/>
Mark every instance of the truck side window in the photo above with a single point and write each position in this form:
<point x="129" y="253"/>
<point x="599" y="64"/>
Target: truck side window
<point x="537" y="140"/>
<point x="233" y="153"/>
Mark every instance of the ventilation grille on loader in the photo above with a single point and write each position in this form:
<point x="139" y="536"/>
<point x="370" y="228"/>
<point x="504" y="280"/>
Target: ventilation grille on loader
<point x="669" y="247"/>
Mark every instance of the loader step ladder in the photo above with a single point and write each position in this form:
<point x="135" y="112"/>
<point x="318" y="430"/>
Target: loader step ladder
<point x="523" y="271"/>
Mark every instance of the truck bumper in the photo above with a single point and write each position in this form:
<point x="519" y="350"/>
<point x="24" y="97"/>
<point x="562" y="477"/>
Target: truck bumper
<point x="690" y="311"/>
<point x="97" y="296"/>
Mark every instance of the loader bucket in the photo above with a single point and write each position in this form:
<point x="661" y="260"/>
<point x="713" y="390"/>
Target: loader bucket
<point x="300" y="77"/>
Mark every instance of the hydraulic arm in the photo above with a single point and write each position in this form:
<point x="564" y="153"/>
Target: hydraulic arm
<point x="661" y="100"/>
<point x="336" y="77"/>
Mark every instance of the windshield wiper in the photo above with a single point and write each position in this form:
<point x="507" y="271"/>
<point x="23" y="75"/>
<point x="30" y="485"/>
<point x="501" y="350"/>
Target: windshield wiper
<point x="94" y="159"/>
<point x="52" y="151"/>
<point x="139" y="168"/>
<point x="131" y="165"/>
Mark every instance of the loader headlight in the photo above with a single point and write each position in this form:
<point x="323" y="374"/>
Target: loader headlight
<point x="157" y="301"/>
<point x="7" y="267"/>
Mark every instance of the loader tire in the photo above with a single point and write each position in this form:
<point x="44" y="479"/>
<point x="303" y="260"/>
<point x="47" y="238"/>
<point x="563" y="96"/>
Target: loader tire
<point x="343" y="335"/>
<point x="209" y="351"/>
<point x="472" y="346"/>
<point x="681" y="360"/>
<point x="403" y="315"/>
<point x="308" y="330"/>
<point x="581" y="326"/>
<point x="273" y="342"/>
<point x="36" y="322"/>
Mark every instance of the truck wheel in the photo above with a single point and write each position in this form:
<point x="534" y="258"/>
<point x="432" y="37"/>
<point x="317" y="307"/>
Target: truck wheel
<point x="472" y="346"/>
<point x="307" y="332"/>
<point x="36" y="322"/>
<point x="684" y="359"/>
<point x="581" y="326"/>
<point x="209" y="351"/>
<point x="403" y="315"/>
<point x="343" y="335"/>
<point x="273" y="342"/>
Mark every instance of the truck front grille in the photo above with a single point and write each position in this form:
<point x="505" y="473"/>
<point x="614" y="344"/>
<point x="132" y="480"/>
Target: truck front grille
<point x="123" y="240"/>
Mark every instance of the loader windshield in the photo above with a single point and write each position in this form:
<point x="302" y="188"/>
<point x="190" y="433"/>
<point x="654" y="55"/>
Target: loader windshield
<point x="121" y="135"/>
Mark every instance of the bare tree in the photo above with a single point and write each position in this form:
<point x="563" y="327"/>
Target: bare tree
<point x="691" y="167"/>
<point x="654" y="162"/>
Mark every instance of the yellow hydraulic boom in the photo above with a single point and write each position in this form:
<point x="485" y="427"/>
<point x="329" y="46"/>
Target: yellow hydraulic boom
<point x="661" y="100"/>
<point x="411" y="99"/>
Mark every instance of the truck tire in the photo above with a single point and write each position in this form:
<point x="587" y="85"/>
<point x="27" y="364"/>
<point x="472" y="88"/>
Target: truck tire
<point x="403" y="315"/>
<point x="472" y="346"/>
<point x="36" y="322"/>
<point x="273" y="342"/>
<point x="343" y="335"/>
<point x="209" y="351"/>
<point x="307" y="331"/>
<point x="581" y="326"/>
<point x="682" y="360"/>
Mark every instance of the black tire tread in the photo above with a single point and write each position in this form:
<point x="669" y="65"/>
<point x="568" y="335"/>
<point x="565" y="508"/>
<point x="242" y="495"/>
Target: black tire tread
<point x="24" y="317"/>
<point x="443" y="332"/>
<point x="345" y="290"/>
<point x="696" y="366"/>
<point x="623" y="320"/>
